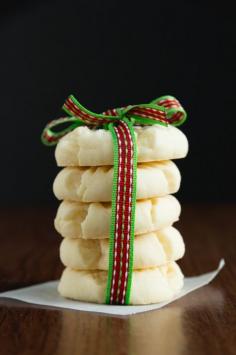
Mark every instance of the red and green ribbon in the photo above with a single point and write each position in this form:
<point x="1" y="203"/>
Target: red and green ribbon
<point x="120" y="122"/>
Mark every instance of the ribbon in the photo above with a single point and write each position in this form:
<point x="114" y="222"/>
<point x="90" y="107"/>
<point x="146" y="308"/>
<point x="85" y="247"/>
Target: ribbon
<point x="120" y="122"/>
<point x="164" y="110"/>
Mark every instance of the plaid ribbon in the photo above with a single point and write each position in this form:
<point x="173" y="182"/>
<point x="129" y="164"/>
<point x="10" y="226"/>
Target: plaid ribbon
<point x="164" y="110"/>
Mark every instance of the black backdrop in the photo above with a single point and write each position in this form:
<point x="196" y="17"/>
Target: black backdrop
<point x="111" y="53"/>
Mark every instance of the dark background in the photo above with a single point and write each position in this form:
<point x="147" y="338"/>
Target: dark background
<point x="109" y="54"/>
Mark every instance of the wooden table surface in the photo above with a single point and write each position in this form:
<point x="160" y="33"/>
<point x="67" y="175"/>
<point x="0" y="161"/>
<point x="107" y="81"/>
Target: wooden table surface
<point x="203" y="322"/>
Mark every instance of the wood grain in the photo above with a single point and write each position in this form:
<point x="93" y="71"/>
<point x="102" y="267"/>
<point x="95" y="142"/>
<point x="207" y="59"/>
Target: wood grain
<point x="203" y="322"/>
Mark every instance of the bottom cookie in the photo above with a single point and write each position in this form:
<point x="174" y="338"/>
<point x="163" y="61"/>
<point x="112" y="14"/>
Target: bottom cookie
<point x="148" y="286"/>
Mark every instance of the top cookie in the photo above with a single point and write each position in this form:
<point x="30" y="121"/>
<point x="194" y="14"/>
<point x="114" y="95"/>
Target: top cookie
<point x="88" y="147"/>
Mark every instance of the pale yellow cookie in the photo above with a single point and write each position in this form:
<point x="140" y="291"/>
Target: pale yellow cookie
<point x="92" y="220"/>
<point x="148" y="286"/>
<point x="95" y="184"/>
<point x="150" y="250"/>
<point x="88" y="147"/>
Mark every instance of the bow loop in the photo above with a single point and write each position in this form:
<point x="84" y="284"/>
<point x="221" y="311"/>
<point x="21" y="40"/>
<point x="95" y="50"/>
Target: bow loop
<point x="176" y="114"/>
<point x="147" y="114"/>
<point x="55" y="129"/>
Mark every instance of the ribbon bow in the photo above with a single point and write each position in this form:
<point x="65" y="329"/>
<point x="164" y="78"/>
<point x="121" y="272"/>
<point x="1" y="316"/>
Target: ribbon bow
<point x="163" y="111"/>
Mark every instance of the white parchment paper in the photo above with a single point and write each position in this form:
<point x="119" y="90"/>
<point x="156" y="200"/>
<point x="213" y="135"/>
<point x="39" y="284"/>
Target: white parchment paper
<point x="46" y="294"/>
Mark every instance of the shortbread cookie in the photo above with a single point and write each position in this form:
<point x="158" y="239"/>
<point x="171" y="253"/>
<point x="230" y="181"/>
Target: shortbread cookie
<point x="148" y="286"/>
<point x="88" y="147"/>
<point x="92" y="220"/>
<point x="95" y="184"/>
<point x="150" y="250"/>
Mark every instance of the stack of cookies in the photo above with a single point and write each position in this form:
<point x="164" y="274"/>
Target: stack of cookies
<point x="83" y="219"/>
